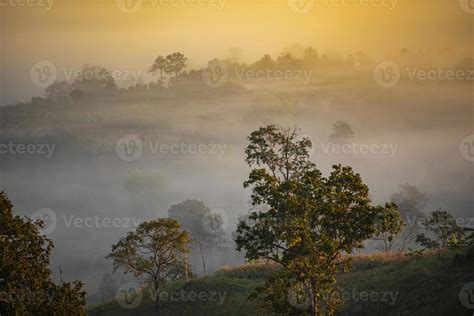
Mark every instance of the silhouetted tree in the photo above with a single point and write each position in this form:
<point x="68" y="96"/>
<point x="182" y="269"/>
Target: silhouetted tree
<point x="26" y="287"/>
<point x="160" y="65"/>
<point x="176" y="62"/>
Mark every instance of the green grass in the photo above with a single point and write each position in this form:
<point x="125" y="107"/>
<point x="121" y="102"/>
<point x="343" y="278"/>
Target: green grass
<point x="378" y="285"/>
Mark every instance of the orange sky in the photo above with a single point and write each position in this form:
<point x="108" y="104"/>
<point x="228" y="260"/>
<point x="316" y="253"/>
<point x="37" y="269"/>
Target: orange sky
<point x="76" y="32"/>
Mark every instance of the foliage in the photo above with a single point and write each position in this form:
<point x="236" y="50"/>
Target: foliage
<point x="313" y="223"/>
<point x="156" y="249"/>
<point x="443" y="227"/>
<point x="415" y="252"/>
<point x="388" y="225"/>
<point x="341" y="133"/>
<point x="26" y="287"/>
<point x="160" y="65"/>
<point x="175" y="63"/>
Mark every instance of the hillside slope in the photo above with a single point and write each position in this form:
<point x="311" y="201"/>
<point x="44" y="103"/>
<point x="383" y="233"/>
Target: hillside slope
<point x="378" y="285"/>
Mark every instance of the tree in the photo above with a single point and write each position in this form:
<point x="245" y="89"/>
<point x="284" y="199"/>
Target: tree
<point x="342" y="132"/>
<point x="313" y="223"/>
<point x="156" y="250"/>
<point x="388" y="225"/>
<point x="410" y="201"/>
<point x="160" y="65"/>
<point x="266" y="62"/>
<point x="204" y="227"/>
<point x="287" y="60"/>
<point x="26" y="287"/>
<point x="442" y="227"/>
<point x="176" y="62"/>
<point x="94" y="77"/>
<point x="59" y="91"/>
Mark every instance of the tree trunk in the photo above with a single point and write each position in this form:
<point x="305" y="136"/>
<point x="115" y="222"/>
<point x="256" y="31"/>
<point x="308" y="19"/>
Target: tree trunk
<point x="157" y="300"/>
<point x="314" y="300"/>
<point x="186" y="266"/>
<point x="202" y="257"/>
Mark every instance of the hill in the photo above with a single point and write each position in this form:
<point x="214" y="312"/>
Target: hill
<point x="379" y="284"/>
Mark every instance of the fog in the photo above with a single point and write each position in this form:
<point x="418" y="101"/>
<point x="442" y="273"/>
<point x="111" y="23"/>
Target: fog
<point x="193" y="135"/>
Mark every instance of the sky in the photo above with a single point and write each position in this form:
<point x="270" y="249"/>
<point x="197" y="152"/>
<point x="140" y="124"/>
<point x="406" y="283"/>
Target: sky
<point x="128" y="34"/>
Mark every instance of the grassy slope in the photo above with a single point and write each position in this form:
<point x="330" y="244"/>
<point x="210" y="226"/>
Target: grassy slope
<point x="428" y="285"/>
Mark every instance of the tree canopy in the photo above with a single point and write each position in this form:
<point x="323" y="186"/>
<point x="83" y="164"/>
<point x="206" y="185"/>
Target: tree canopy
<point x="313" y="223"/>
<point x="26" y="287"/>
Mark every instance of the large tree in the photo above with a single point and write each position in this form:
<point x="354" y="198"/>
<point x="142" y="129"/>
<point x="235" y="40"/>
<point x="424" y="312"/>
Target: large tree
<point x="156" y="250"/>
<point x="26" y="287"/>
<point x="313" y="223"/>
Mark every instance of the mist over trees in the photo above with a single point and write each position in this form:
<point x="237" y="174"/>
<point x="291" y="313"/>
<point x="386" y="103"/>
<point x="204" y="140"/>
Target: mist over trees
<point x="205" y="230"/>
